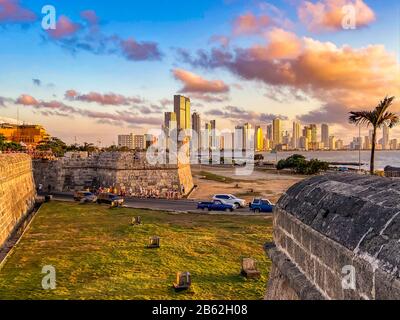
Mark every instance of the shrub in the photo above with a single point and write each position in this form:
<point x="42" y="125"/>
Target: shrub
<point x="300" y="165"/>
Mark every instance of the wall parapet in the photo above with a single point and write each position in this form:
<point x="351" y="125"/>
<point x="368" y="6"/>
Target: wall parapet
<point x="328" y="223"/>
<point x="17" y="192"/>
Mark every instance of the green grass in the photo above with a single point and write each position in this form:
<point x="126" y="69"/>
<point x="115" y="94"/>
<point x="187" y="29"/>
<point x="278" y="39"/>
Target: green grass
<point x="99" y="255"/>
<point x="215" y="177"/>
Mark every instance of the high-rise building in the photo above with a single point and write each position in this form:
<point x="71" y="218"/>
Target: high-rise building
<point x="182" y="111"/>
<point x="367" y="143"/>
<point x="238" y="138"/>
<point x="196" y="131"/>
<point x="394" y="144"/>
<point x="125" y="141"/>
<point x="339" y="144"/>
<point x="139" y="142"/>
<point x="248" y="136"/>
<point x="258" y="139"/>
<point x="303" y="143"/>
<point x="213" y="142"/>
<point x="385" y="138"/>
<point x="277" y="131"/>
<point x="206" y="137"/>
<point x="270" y="132"/>
<point x="325" y="135"/>
<point x="170" y="121"/>
<point x="332" y="143"/>
<point x="314" y="133"/>
<point x="296" y="135"/>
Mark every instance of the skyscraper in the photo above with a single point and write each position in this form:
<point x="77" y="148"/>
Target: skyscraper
<point x="277" y="131"/>
<point x="325" y="135"/>
<point x="385" y="137"/>
<point x="296" y="135"/>
<point x="213" y="142"/>
<point x="248" y="136"/>
<point x="258" y="139"/>
<point x="238" y="138"/>
<point x="196" y="131"/>
<point x="170" y="120"/>
<point x="182" y="111"/>
<point x="270" y="134"/>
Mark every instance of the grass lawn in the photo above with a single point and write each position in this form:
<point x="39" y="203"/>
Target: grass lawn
<point x="215" y="177"/>
<point x="97" y="254"/>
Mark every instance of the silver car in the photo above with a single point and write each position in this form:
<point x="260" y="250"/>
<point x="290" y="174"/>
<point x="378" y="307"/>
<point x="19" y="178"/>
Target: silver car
<point x="230" y="199"/>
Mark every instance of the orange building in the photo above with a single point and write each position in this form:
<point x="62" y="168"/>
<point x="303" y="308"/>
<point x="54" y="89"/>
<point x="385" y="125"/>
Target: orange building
<point x="31" y="135"/>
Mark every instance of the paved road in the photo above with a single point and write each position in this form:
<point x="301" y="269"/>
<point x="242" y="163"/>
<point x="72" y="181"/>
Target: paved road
<point x="160" y="204"/>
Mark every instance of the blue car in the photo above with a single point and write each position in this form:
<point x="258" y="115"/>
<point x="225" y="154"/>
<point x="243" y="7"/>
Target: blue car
<point x="261" y="205"/>
<point x="216" y="205"/>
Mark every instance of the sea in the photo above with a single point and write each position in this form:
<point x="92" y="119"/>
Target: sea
<point x="382" y="158"/>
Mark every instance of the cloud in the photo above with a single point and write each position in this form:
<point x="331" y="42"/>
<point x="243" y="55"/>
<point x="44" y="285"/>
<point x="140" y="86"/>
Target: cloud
<point x="240" y="115"/>
<point x="12" y="12"/>
<point x="37" y="82"/>
<point x="103" y="99"/>
<point x="193" y="83"/>
<point x="282" y="45"/>
<point x="57" y="108"/>
<point x="65" y="28"/>
<point x="27" y="100"/>
<point x="249" y="23"/>
<point x="333" y="75"/>
<point x="88" y="36"/>
<point x="90" y="17"/>
<point x="328" y="15"/>
<point x="139" y="51"/>
<point x="223" y="41"/>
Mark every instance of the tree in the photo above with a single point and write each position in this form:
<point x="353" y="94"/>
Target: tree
<point x="378" y="117"/>
<point x="57" y="146"/>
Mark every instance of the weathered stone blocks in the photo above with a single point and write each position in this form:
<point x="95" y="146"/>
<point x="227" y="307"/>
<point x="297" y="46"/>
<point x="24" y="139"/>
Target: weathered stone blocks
<point x="17" y="192"/>
<point x="326" y="223"/>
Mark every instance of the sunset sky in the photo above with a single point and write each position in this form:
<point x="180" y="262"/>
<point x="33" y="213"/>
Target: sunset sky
<point x="112" y="67"/>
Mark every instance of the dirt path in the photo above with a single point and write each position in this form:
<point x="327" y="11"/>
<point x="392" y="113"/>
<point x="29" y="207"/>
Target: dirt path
<point x="258" y="184"/>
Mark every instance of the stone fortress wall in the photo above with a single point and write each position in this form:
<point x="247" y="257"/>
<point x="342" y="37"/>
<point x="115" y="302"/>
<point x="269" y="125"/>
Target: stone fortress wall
<point x="328" y="222"/>
<point x="17" y="192"/>
<point x="126" y="170"/>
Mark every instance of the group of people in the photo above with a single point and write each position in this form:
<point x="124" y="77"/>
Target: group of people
<point x="139" y="192"/>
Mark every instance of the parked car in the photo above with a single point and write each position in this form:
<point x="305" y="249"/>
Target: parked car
<point x="85" y="196"/>
<point x="261" y="205"/>
<point x="216" y="205"/>
<point x="110" y="198"/>
<point x="230" y="199"/>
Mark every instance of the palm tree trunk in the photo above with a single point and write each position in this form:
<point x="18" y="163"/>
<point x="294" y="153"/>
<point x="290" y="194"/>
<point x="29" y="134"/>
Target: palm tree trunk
<point x="372" y="164"/>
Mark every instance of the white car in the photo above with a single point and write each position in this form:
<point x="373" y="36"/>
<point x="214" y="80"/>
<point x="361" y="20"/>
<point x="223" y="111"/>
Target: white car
<point x="230" y="199"/>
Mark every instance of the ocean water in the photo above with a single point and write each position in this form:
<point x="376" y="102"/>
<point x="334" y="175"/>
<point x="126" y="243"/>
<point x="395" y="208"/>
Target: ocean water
<point x="382" y="158"/>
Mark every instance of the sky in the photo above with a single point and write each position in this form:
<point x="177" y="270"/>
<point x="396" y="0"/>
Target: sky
<point x="109" y="69"/>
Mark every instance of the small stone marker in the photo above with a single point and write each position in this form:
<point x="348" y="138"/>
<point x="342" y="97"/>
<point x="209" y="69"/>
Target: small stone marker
<point x="136" y="221"/>
<point x="183" y="281"/>
<point x="249" y="268"/>
<point x="154" y="242"/>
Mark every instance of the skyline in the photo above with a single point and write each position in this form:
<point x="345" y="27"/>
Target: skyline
<point x="106" y="71"/>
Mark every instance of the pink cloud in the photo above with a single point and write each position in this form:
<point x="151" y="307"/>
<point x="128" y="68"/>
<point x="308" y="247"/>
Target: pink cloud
<point x="103" y="99"/>
<point x="194" y="83"/>
<point x="12" y="12"/>
<point x="248" y="23"/>
<point x="27" y="100"/>
<point x="65" y="28"/>
<point x="90" y="16"/>
<point x="138" y="51"/>
<point x="328" y="14"/>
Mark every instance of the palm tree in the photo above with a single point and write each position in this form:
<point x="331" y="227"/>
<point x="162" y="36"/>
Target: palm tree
<point x="378" y="118"/>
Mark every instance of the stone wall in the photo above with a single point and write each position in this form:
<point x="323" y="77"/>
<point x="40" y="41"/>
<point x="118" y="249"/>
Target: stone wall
<point x="328" y="223"/>
<point x="17" y="192"/>
<point x="120" y="169"/>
